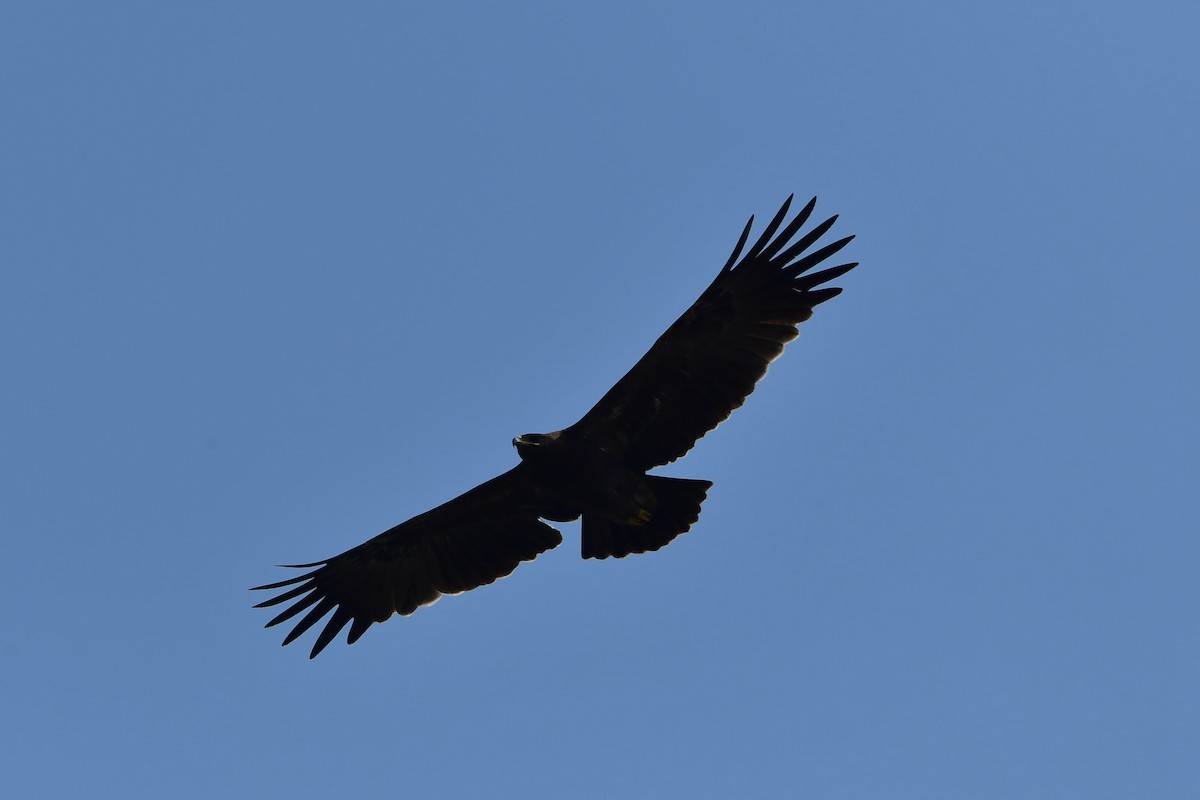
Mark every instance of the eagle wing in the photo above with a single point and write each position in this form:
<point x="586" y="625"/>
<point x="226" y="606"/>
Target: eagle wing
<point x="468" y="542"/>
<point x="709" y="360"/>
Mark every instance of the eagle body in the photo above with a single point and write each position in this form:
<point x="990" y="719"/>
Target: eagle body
<point x="617" y="501"/>
<point x="693" y="377"/>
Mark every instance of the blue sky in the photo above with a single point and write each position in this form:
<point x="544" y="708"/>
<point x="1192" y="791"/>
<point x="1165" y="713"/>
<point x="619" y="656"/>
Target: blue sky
<point x="278" y="276"/>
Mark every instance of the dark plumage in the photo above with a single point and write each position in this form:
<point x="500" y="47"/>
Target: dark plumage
<point x="694" y="376"/>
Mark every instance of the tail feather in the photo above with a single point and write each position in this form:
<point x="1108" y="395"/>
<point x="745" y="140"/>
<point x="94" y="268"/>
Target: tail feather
<point x="678" y="509"/>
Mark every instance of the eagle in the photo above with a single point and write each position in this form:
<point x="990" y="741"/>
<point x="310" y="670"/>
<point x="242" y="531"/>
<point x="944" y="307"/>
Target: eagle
<point x="704" y="366"/>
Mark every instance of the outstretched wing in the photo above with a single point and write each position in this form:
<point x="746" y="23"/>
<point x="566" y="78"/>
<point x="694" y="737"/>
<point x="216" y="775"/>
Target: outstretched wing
<point x="468" y="542"/>
<point x="707" y="363"/>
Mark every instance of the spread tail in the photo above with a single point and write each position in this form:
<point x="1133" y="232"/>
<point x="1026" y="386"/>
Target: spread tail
<point x="679" y="502"/>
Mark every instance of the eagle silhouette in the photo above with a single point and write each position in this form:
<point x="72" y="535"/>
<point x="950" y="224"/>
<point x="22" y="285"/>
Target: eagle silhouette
<point x="694" y="376"/>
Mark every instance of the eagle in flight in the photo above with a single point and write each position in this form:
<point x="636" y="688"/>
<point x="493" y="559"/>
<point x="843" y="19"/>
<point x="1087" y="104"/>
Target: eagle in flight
<point x="694" y="376"/>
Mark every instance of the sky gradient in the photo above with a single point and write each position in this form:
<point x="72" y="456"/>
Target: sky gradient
<point x="276" y="277"/>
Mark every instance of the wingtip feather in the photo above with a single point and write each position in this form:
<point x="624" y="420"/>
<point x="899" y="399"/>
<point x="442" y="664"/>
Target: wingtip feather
<point x="772" y="226"/>
<point x="737" y="248"/>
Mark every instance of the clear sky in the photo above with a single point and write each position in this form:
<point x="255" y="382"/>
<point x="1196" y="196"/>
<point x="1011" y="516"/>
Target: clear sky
<point x="276" y="277"/>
